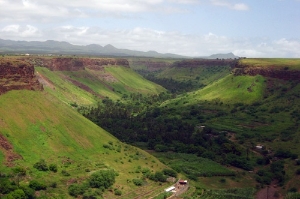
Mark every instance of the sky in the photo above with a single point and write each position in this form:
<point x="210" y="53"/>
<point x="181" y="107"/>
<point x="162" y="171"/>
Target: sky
<point x="247" y="28"/>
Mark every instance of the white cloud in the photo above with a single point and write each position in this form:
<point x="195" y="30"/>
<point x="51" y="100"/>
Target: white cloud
<point x="145" y="39"/>
<point x="17" y="31"/>
<point x="233" y="6"/>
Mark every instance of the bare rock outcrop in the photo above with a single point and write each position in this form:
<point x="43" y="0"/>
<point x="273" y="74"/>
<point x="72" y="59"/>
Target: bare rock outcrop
<point x="75" y="64"/>
<point x="273" y="72"/>
<point x="17" y="75"/>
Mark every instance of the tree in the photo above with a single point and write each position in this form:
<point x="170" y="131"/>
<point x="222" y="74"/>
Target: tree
<point x="102" y="179"/>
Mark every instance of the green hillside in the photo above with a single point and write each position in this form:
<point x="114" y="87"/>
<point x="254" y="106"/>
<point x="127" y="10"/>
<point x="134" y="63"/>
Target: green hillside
<point x="230" y="89"/>
<point x="39" y="126"/>
<point x="86" y="87"/>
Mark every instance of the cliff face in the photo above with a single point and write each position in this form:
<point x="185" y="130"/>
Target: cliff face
<point x="205" y="62"/>
<point x="75" y="64"/>
<point x="17" y="75"/>
<point x="273" y="72"/>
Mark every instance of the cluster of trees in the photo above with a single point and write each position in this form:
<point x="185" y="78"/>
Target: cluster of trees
<point x="94" y="185"/>
<point x="164" y="130"/>
<point x="10" y="187"/>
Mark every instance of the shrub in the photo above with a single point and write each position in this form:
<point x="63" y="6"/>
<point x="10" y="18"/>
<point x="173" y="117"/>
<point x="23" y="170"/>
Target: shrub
<point x="28" y="192"/>
<point x="170" y="172"/>
<point x="118" y="192"/>
<point x="41" y="165"/>
<point x="20" y="171"/>
<point x="35" y="185"/>
<point x="102" y="179"/>
<point x="53" y="167"/>
<point x="53" y="185"/>
<point x="76" y="189"/>
<point x="137" y="182"/>
<point x="16" y="194"/>
<point x="222" y="180"/>
<point x="65" y="173"/>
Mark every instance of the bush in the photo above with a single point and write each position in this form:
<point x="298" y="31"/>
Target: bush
<point x="65" y="173"/>
<point x="28" y="192"/>
<point x="53" y="167"/>
<point x="137" y="182"/>
<point x="76" y="189"/>
<point x="222" y="180"/>
<point x="118" y="192"/>
<point x="16" y="194"/>
<point x="89" y="194"/>
<point x="41" y="165"/>
<point x="298" y="171"/>
<point x="53" y="185"/>
<point x="35" y="185"/>
<point x="20" y="171"/>
<point x="170" y="172"/>
<point x="102" y="179"/>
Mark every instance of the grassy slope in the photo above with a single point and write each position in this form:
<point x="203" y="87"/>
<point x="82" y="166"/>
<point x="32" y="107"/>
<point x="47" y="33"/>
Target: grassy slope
<point x="65" y="90"/>
<point x="122" y="81"/>
<point x="206" y="75"/>
<point x="128" y="80"/>
<point x="40" y="126"/>
<point x="230" y="89"/>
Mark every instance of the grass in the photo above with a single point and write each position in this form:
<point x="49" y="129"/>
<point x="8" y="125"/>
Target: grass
<point x="230" y="89"/>
<point x="113" y="83"/>
<point x="39" y="126"/>
<point x="128" y="80"/>
<point x="65" y="90"/>
<point x="276" y="63"/>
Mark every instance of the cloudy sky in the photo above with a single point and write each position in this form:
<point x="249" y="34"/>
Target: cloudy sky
<point x="251" y="28"/>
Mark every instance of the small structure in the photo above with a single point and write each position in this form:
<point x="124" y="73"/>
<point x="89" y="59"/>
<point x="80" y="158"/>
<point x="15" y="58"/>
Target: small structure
<point x="172" y="188"/>
<point x="259" y="147"/>
<point x="182" y="182"/>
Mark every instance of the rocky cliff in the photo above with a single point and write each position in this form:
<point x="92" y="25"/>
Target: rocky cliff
<point x="17" y="75"/>
<point x="192" y="63"/>
<point x="274" y="72"/>
<point x="75" y="64"/>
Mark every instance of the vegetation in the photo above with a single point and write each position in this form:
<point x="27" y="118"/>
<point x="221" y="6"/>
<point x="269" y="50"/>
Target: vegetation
<point x="67" y="142"/>
<point x="211" y="127"/>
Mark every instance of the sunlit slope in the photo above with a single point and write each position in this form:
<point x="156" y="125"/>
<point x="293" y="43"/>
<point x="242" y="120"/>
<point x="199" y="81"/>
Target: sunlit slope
<point x="39" y="126"/>
<point x="56" y="84"/>
<point x="130" y="81"/>
<point x="203" y="74"/>
<point x="86" y="87"/>
<point x="230" y="89"/>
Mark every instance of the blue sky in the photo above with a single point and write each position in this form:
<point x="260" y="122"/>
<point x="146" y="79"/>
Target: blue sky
<point x="251" y="28"/>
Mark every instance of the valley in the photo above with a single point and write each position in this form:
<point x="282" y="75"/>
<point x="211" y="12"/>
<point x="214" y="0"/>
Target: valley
<point x="229" y="126"/>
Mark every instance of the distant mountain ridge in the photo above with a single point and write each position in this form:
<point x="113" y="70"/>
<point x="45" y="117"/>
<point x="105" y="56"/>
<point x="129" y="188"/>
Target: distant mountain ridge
<point x="62" y="47"/>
